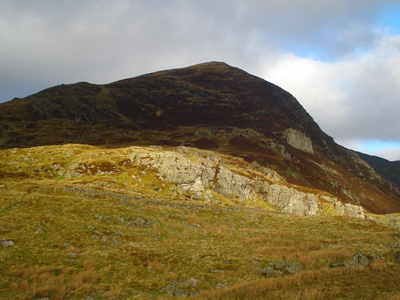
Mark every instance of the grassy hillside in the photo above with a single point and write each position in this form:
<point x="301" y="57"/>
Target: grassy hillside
<point x="115" y="230"/>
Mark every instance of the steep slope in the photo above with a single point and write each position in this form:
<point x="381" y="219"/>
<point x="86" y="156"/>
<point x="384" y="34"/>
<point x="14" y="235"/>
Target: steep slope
<point x="209" y="106"/>
<point x="390" y="170"/>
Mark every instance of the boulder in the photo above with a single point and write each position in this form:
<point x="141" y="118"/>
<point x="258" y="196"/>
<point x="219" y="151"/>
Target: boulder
<point x="358" y="260"/>
<point x="281" y="268"/>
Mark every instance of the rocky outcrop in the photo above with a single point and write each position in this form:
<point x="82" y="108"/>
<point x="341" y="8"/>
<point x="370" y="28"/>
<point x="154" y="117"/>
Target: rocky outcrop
<point x="280" y="268"/>
<point x="358" y="260"/>
<point x="202" y="172"/>
<point x="350" y="210"/>
<point x="298" y="140"/>
<point x="291" y="201"/>
<point x="354" y="211"/>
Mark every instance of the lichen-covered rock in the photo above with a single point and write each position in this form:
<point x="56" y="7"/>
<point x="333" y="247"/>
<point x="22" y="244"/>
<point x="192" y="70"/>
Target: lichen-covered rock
<point x="358" y="260"/>
<point x="200" y="172"/>
<point x="293" y="268"/>
<point x="280" y="268"/>
<point x="354" y="211"/>
<point x="292" y="201"/>
<point x="298" y="140"/>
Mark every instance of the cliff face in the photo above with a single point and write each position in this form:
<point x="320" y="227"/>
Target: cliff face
<point x="298" y="140"/>
<point x="201" y="173"/>
<point x="210" y="106"/>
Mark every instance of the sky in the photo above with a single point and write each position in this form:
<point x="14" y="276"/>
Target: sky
<point x="339" y="58"/>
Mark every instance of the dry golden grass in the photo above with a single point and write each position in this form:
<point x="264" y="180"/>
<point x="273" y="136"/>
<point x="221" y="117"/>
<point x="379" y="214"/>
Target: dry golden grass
<point x="52" y="282"/>
<point x="69" y="243"/>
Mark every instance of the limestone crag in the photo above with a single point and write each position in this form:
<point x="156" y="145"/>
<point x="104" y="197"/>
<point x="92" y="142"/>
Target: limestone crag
<point x="293" y="202"/>
<point x="298" y="140"/>
<point x="202" y="172"/>
<point x="351" y="210"/>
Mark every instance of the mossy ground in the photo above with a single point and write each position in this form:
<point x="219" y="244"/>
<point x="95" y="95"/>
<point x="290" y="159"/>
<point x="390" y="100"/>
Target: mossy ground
<point x="77" y="238"/>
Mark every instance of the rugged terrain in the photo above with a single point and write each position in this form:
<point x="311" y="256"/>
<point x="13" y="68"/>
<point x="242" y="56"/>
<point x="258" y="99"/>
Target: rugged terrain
<point x="202" y="182"/>
<point x="209" y="106"/>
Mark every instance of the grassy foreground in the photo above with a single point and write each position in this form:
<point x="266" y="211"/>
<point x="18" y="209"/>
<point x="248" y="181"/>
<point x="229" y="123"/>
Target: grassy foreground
<point x="128" y="235"/>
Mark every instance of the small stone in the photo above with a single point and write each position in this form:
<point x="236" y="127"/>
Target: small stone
<point x="38" y="230"/>
<point x="99" y="217"/>
<point x="6" y="243"/>
<point x="139" y="222"/>
<point x="117" y="242"/>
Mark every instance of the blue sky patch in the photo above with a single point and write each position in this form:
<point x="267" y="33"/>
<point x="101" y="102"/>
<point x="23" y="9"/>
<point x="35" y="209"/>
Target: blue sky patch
<point x="376" y="145"/>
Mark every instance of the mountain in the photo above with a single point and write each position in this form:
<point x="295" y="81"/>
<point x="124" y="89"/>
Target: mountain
<point x="210" y="106"/>
<point x="390" y="170"/>
<point x="199" y="183"/>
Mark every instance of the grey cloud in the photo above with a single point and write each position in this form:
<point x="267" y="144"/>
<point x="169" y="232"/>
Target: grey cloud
<point x="45" y="43"/>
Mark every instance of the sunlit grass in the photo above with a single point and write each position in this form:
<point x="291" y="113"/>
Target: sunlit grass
<point x="72" y="243"/>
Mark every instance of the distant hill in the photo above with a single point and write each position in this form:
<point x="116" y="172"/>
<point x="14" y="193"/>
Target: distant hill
<point x="210" y="106"/>
<point x="390" y="170"/>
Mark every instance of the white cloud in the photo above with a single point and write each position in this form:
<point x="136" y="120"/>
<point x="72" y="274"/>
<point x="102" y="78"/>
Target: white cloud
<point x="350" y="99"/>
<point x="328" y="54"/>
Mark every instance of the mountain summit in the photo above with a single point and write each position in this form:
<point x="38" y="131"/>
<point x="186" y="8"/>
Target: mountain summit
<point x="210" y="106"/>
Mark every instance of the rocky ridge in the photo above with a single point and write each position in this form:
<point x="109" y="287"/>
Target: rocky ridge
<point x="200" y="175"/>
<point x="203" y="172"/>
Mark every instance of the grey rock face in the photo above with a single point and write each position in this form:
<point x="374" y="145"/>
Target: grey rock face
<point x="292" y="201"/>
<point x="200" y="172"/>
<point x="298" y="140"/>
<point x="354" y="211"/>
